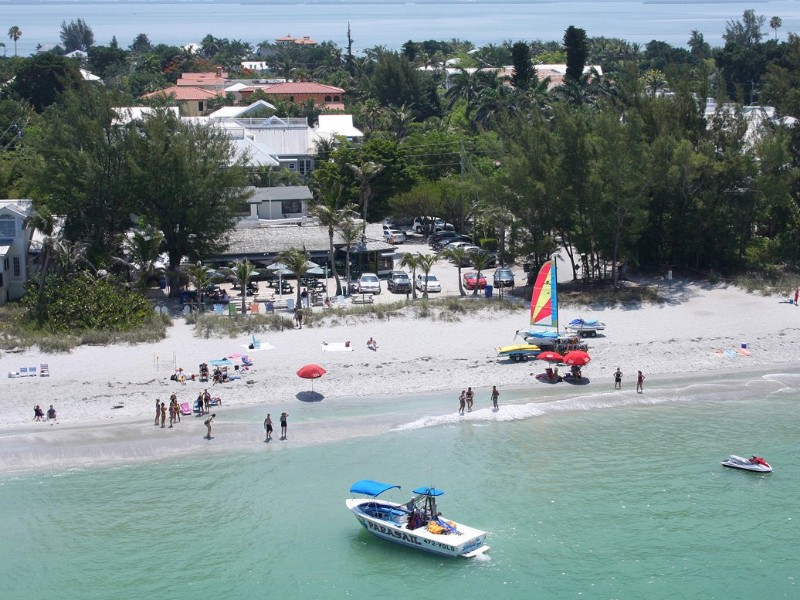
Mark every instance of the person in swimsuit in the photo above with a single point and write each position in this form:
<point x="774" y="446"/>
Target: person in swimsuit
<point x="640" y="382"/>
<point x="617" y="379"/>
<point x="284" y="416"/>
<point x="208" y="423"/>
<point x="268" y="427"/>
<point x="38" y="414"/>
<point x="163" y="414"/>
<point x="158" y="411"/>
<point x="462" y="402"/>
<point x="51" y="413"/>
<point x="470" y="399"/>
<point x="495" y="396"/>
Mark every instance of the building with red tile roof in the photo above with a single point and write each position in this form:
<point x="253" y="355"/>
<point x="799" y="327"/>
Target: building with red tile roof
<point x="289" y="39"/>
<point x="300" y="92"/>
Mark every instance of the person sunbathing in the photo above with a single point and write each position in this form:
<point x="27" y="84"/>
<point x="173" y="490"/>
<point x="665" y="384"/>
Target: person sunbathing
<point x="372" y="344"/>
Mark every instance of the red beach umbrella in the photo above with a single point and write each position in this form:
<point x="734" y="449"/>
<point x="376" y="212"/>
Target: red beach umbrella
<point x="311" y="372"/>
<point x="550" y="355"/>
<point x="577" y="358"/>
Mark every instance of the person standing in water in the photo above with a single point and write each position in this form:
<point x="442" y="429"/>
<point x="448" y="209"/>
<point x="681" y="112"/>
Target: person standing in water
<point x="470" y="399"/>
<point x="268" y="427"/>
<point x="495" y="396"/>
<point x="640" y="383"/>
<point x="462" y="401"/>
<point x="284" y="425"/>
<point x="617" y="379"/>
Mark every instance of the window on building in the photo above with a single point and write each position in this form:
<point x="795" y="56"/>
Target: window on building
<point x="336" y="99"/>
<point x="291" y="207"/>
<point x="17" y="267"/>
<point x="291" y="166"/>
<point x="7" y="225"/>
<point x="200" y="106"/>
<point x="327" y="98"/>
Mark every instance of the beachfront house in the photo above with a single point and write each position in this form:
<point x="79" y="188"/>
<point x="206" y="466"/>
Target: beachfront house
<point x="323" y="96"/>
<point x="15" y="239"/>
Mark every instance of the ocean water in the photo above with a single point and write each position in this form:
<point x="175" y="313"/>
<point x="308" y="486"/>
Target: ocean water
<point x="386" y="23"/>
<point x="584" y="496"/>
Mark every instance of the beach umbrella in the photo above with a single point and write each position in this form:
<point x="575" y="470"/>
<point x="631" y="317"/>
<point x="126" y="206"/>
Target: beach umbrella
<point x="577" y="358"/>
<point x="550" y="355"/>
<point x="311" y="372"/>
<point x="277" y="266"/>
<point x="316" y="272"/>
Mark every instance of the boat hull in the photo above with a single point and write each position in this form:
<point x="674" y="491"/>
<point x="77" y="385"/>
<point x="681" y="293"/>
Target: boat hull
<point x="390" y="527"/>
<point x="744" y="464"/>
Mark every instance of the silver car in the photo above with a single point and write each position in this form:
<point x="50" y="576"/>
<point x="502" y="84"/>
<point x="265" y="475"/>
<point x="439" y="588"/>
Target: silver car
<point x="369" y="283"/>
<point x="428" y="283"/>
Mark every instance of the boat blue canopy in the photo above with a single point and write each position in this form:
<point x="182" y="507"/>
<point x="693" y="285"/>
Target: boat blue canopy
<point x="428" y="490"/>
<point x="369" y="487"/>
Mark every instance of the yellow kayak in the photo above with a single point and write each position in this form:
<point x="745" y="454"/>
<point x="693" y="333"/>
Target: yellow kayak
<point x="518" y="352"/>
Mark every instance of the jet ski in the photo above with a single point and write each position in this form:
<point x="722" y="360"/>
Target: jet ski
<point x="754" y="463"/>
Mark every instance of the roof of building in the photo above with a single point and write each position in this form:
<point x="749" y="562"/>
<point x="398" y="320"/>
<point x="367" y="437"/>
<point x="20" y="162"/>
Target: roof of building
<point x="258" y="154"/>
<point x="21" y="207"/>
<point x="184" y="94"/>
<point x="270" y="240"/>
<point x="303" y="87"/>
<point x="337" y="125"/>
<point x="216" y="79"/>
<point x="232" y="112"/>
<point x="286" y="192"/>
<point x="126" y="114"/>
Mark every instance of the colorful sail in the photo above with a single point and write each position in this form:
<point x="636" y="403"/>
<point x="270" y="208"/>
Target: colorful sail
<point x="544" y="300"/>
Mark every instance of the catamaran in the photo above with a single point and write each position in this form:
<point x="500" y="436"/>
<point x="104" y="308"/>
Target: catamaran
<point x="417" y="523"/>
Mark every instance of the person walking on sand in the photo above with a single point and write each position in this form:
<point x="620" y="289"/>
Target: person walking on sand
<point x="495" y="396"/>
<point x="208" y="423"/>
<point x="640" y="382"/>
<point x="268" y="427"/>
<point x="284" y="416"/>
<point x="462" y="400"/>
<point x="298" y="317"/>
<point x="617" y="379"/>
<point x="470" y="399"/>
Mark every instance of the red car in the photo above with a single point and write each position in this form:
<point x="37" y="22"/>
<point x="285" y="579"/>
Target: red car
<point x="471" y="279"/>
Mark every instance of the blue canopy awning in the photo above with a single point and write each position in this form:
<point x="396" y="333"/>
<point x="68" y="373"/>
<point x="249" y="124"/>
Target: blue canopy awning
<point x="371" y="488"/>
<point x="428" y="491"/>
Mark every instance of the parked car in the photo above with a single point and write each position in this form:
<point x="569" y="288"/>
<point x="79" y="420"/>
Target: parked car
<point x="430" y="283"/>
<point x="471" y="279"/>
<point x="399" y="282"/>
<point x="444" y="242"/>
<point x="369" y="283"/>
<point x="504" y="278"/>
<point x="421" y="224"/>
<point x="393" y="235"/>
<point x="458" y="244"/>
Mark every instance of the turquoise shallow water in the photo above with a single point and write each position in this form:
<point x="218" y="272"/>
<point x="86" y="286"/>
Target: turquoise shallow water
<point x="622" y="502"/>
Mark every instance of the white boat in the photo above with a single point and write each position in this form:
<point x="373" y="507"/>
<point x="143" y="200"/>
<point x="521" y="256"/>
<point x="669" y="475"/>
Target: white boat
<point x="417" y="523"/>
<point x="754" y="463"/>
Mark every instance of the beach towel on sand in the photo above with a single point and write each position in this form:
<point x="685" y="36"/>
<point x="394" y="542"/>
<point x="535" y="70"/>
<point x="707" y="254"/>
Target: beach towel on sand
<point x="336" y="347"/>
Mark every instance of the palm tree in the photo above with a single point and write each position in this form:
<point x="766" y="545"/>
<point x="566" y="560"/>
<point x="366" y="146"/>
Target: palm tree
<point x="244" y="271"/>
<point x="774" y="22"/>
<point x="14" y="33"/>
<point x="143" y="250"/>
<point x="412" y="262"/>
<point x="329" y="216"/>
<point x="365" y="173"/>
<point x="296" y="260"/>
<point x="479" y="261"/>
<point x="459" y="257"/>
<point x="200" y="276"/>
<point x="350" y="233"/>
<point x="426" y="262"/>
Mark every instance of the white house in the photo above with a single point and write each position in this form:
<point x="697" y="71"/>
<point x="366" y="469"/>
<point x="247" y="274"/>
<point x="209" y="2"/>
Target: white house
<point x="15" y="237"/>
<point x="280" y="203"/>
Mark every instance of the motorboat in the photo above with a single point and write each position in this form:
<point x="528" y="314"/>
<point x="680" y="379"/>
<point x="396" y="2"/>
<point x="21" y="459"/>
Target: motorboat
<point x="585" y="327"/>
<point x="416" y="523"/>
<point x="754" y="463"/>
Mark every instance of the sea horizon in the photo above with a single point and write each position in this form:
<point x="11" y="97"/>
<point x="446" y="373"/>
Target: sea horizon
<point x="389" y="23"/>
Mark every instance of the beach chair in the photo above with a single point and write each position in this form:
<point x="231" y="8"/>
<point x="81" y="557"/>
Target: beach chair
<point x="290" y="304"/>
<point x="270" y="307"/>
<point x="340" y="302"/>
<point x="254" y="308"/>
<point x="232" y="309"/>
<point x="23" y="371"/>
<point x="44" y="370"/>
<point x="219" y="309"/>
<point x="246" y="361"/>
<point x="33" y="372"/>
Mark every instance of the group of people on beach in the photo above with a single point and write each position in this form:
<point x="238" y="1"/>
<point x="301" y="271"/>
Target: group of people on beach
<point x="161" y="412"/>
<point x="268" y="426"/>
<point x="467" y="399"/>
<point x="639" y="381"/>
<point x="38" y="414"/>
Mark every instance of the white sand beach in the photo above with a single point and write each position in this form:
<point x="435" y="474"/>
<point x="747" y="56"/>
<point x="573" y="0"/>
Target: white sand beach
<point x="685" y="336"/>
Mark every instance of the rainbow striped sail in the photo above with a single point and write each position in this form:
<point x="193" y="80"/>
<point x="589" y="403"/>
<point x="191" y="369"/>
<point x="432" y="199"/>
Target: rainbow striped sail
<point x="544" y="300"/>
